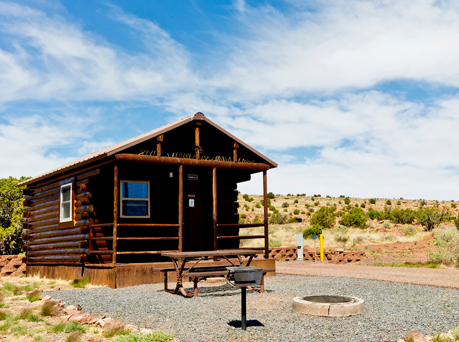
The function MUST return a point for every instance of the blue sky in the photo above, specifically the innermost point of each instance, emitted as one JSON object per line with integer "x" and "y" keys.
{"x": 350, "y": 97}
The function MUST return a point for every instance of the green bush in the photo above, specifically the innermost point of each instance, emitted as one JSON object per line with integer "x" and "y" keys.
{"x": 247, "y": 198}
{"x": 373, "y": 214}
{"x": 303, "y": 212}
{"x": 285, "y": 205}
{"x": 402, "y": 216}
{"x": 311, "y": 210}
{"x": 296, "y": 211}
{"x": 82, "y": 282}
{"x": 48, "y": 308}
{"x": 355, "y": 218}
{"x": 362, "y": 205}
{"x": 324, "y": 217}
{"x": 277, "y": 218}
{"x": 272, "y": 208}
{"x": 408, "y": 230}
{"x": 422, "y": 203}
{"x": 309, "y": 232}
{"x": 257, "y": 220}
{"x": 243, "y": 216}
{"x": 295, "y": 201}
{"x": 292, "y": 220}
{"x": 387, "y": 225}
{"x": 67, "y": 327}
{"x": 271, "y": 195}
{"x": 316, "y": 203}
{"x": 33, "y": 296}
{"x": 429, "y": 218}
{"x": 372, "y": 200}
{"x": 257, "y": 205}
{"x": 347, "y": 201}
{"x": 399, "y": 203}
{"x": 388, "y": 202}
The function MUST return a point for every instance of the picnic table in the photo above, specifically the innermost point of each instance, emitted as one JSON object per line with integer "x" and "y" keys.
{"x": 196, "y": 271}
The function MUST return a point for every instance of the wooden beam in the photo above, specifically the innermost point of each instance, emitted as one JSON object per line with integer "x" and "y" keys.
{"x": 242, "y": 237}
{"x": 58, "y": 239}
{"x": 191, "y": 162}
{"x": 265, "y": 210}
{"x": 88, "y": 174}
{"x": 235, "y": 147}
{"x": 159, "y": 139}
{"x": 214, "y": 206}
{"x": 197, "y": 142}
{"x": 115, "y": 212}
{"x": 241, "y": 225}
{"x": 148, "y": 224}
{"x": 180, "y": 208}
{"x": 145, "y": 252}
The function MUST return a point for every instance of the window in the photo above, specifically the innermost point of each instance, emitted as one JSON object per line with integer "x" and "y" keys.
{"x": 135, "y": 199}
{"x": 66, "y": 203}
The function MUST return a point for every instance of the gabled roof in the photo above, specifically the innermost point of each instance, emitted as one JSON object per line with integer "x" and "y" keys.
{"x": 108, "y": 151}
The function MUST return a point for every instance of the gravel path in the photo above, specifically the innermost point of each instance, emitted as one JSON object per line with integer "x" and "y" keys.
{"x": 391, "y": 310}
{"x": 421, "y": 276}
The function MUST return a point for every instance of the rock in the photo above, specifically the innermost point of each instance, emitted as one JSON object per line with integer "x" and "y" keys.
{"x": 145, "y": 331}
{"x": 82, "y": 318}
{"x": 71, "y": 312}
{"x": 414, "y": 336}
{"x": 105, "y": 323}
{"x": 75, "y": 307}
{"x": 381, "y": 222}
{"x": 44, "y": 298}
{"x": 131, "y": 328}
{"x": 339, "y": 250}
{"x": 93, "y": 318}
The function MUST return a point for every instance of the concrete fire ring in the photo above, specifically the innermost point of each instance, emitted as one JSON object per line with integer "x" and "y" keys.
{"x": 329, "y": 305}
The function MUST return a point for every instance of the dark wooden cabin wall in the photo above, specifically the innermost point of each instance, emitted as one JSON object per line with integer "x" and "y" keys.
{"x": 47, "y": 240}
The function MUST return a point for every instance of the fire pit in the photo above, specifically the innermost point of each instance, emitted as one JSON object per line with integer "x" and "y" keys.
{"x": 328, "y": 305}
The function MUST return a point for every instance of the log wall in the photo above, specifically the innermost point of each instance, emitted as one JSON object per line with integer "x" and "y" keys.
{"x": 47, "y": 240}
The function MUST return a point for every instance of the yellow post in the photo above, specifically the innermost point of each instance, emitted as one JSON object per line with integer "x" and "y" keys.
{"x": 321, "y": 247}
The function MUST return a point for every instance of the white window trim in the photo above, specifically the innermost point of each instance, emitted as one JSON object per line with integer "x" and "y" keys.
{"x": 61, "y": 211}
{"x": 134, "y": 199}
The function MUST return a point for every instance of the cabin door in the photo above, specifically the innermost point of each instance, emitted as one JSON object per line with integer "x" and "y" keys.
{"x": 197, "y": 209}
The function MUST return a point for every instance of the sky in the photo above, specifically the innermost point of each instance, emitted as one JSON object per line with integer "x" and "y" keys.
{"x": 352, "y": 97}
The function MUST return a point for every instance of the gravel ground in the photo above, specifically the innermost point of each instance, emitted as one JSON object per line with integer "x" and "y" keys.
{"x": 391, "y": 310}
{"x": 422, "y": 276}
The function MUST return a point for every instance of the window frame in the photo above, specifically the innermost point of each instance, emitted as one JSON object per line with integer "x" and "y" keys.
{"x": 61, "y": 202}
{"x": 134, "y": 199}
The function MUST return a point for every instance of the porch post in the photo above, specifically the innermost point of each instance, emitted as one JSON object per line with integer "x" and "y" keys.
{"x": 115, "y": 213}
{"x": 214, "y": 205}
{"x": 265, "y": 205}
{"x": 180, "y": 208}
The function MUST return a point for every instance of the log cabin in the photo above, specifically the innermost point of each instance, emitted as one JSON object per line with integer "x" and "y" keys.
{"x": 109, "y": 215}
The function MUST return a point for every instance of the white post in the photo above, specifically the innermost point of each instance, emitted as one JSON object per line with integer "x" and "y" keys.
{"x": 299, "y": 243}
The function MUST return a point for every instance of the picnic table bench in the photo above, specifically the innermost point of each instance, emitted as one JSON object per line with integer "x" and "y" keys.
{"x": 195, "y": 272}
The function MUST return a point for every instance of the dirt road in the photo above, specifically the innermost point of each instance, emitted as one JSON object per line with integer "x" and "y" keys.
{"x": 421, "y": 276}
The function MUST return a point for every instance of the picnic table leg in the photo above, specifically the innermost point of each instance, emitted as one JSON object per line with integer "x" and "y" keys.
{"x": 195, "y": 281}
{"x": 179, "y": 272}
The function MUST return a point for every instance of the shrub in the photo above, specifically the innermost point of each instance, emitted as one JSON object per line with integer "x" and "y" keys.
{"x": 341, "y": 229}
{"x": 116, "y": 330}
{"x": 312, "y": 230}
{"x": 355, "y": 218}
{"x": 277, "y": 218}
{"x": 257, "y": 220}
{"x": 47, "y": 309}
{"x": 156, "y": 336}
{"x": 402, "y": 216}
{"x": 274, "y": 243}
{"x": 263, "y": 202}
{"x": 243, "y": 216}
{"x": 311, "y": 210}
{"x": 292, "y": 220}
{"x": 453, "y": 205}
{"x": 257, "y": 205}
{"x": 295, "y": 201}
{"x": 373, "y": 214}
{"x": 341, "y": 238}
{"x": 285, "y": 205}
{"x": 82, "y": 282}
{"x": 388, "y": 238}
{"x": 399, "y": 203}
{"x": 67, "y": 327}
{"x": 387, "y": 225}
{"x": 324, "y": 217}
{"x": 33, "y": 296}
{"x": 362, "y": 205}
{"x": 408, "y": 230}
{"x": 316, "y": 203}
{"x": 357, "y": 240}
{"x": 429, "y": 218}
{"x": 388, "y": 202}
{"x": 372, "y": 200}
{"x": 73, "y": 337}
{"x": 303, "y": 212}
{"x": 347, "y": 201}
{"x": 271, "y": 195}
{"x": 247, "y": 198}
{"x": 296, "y": 211}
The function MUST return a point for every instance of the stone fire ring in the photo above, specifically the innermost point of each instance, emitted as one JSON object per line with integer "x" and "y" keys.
{"x": 330, "y": 306}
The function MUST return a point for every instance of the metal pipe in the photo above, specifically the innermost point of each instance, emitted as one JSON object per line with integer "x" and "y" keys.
{"x": 244, "y": 307}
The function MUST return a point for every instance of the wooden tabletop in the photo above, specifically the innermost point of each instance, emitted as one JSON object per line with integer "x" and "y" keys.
{"x": 225, "y": 252}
